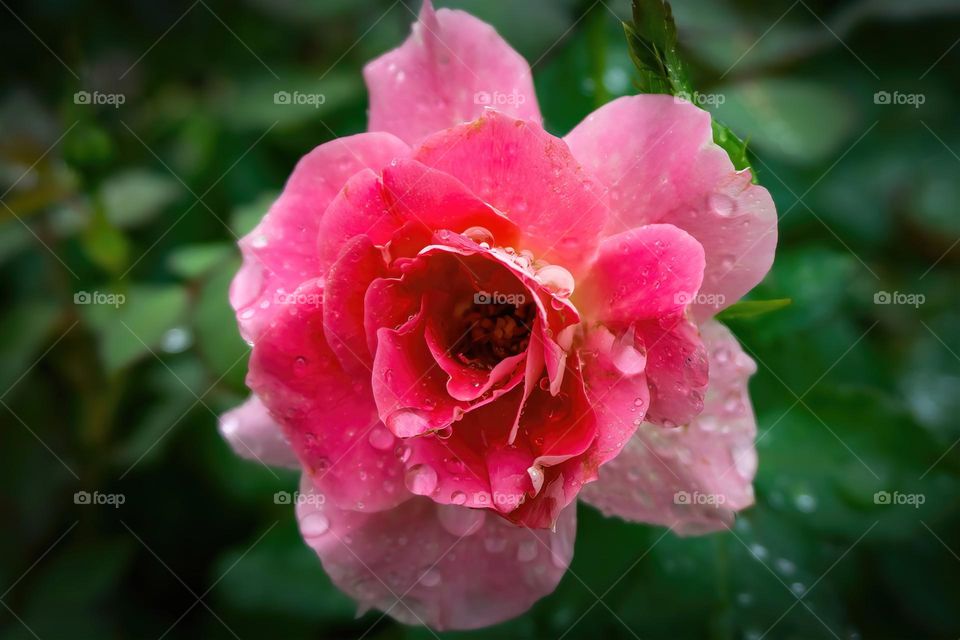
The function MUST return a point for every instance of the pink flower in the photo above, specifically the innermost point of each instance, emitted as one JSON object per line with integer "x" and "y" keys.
{"x": 460, "y": 323}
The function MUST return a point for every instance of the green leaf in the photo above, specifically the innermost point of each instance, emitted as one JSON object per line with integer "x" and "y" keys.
{"x": 653, "y": 48}
{"x": 135, "y": 196}
{"x": 195, "y": 260}
{"x": 130, "y": 325}
{"x": 753, "y": 308}
{"x": 652, "y": 39}
{"x": 23, "y": 332}
{"x": 799, "y": 121}
{"x": 218, "y": 339}
{"x": 734, "y": 146}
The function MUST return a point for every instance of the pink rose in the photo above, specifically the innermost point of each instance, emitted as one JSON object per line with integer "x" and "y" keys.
{"x": 460, "y": 321}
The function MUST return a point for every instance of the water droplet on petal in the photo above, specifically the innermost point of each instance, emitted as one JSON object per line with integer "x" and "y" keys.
{"x": 421, "y": 479}
{"x": 495, "y": 544}
{"x": 479, "y": 235}
{"x": 527, "y": 550}
{"x": 381, "y": 438}
{"x": 430, "y": 578}
{"x": 314, "y": 525}
{"x": 722, "y": 204}
{"x": 557, "y": 280}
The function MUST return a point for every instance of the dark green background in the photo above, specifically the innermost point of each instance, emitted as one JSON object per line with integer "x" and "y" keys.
{"x": 852, "y": 397}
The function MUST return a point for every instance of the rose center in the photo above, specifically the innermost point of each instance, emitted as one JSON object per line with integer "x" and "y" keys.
{"x": 493, "y": 329}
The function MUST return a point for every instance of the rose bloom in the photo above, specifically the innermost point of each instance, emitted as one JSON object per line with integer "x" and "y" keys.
{"x": 461, "y": 323}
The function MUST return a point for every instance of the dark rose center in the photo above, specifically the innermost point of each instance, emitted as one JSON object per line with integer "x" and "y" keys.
{"x": 493, "y": 328}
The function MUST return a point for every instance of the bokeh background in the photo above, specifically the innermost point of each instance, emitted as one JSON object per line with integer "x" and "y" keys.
{"x": 143, "y": 196}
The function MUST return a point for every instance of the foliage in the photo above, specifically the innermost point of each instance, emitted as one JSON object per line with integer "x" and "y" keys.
{"x": 145, "y": 202}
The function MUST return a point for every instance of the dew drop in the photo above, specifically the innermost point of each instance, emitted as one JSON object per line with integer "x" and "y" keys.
{"x": 430, "y": 578}
{"x": 722, "y": 204}
{"x": 381, "y": 438}
{"x": 421, "y": 479}
{"x": 557, "y": 280}
{"x": 314, "y": 525}
{"x": 527, "y": 551}
{"x": 479, "y": 235}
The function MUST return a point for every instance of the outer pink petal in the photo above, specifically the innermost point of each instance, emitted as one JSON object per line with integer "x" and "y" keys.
{"x": 448, "y": 70}
{"x": 676, "y": 369}
{"x": 360, "y": 264}
{"x": 643, "y": 273}
{"x": 254, "y": 435}
{"x": 281, "y": 252}
{"x": 692, "y": 478}
{"x": 657, "y": 157}
{"x": 443, "y": 566}
{"x": 328, "y": 416}
{"x": 532, "y": 178}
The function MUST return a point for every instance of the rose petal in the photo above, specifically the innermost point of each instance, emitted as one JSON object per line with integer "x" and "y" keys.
{"x": 669, "y": 170}
{"x": 281, "y": 252}
{"x": 692, "y": 478}
{"x": 446, "y": 567}
{"x": 531, "y": 177}
{"x": 254, "y": 435}
{"x": 328, "y": 416}
{"x": 437, "y": 200}
{"x": 447, "y": 71}
{"x": 643, "y": 273}
{"x": 347, "y": 281}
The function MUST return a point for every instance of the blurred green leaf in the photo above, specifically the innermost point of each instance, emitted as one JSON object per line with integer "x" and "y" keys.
{"x": 136, "y": 196}
{"x": 280, "y": 575}
{"x": 652, "y": 37}
{"x": 105, "y": 244}
{"x": 130, "y": 325}
{"x": 217, "y": 337}
{"x": 803, "y": 122}
{"x": 753, "y": 308}
{"x": 195, "y": 260}
{"x": 26, "y": 328}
